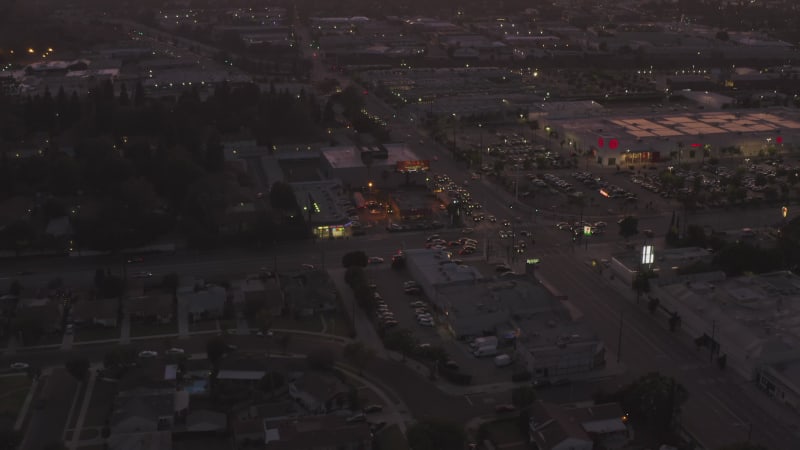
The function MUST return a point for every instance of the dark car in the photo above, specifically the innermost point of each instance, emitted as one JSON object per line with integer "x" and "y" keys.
{"x": 135, "y": 259}
{"x": 450, "y": 364}
{"x": 372, "y": 409}
{"x": 541, "y": 383}
{"x": 501, "y": 409}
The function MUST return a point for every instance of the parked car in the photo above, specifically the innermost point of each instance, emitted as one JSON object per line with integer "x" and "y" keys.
{"x": 148, "y": 354}
{"x": 502, "y": 409}
{"x": 142, "y": 274}
{"x": 356, "y": 418}
{"x": 19, "y": 366}
{"x": 378, "y": 426}
{"x": 372, "y": 409}
{"x": 450, "y": 364}
{"x": 175, "y": 351}
{"x": 375, "y": 260}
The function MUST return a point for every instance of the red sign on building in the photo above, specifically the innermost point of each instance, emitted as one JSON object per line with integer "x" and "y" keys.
{"x": 413, "y": 166}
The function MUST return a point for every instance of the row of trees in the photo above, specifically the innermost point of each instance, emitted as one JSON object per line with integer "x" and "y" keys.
{"x": 158, "y": 162}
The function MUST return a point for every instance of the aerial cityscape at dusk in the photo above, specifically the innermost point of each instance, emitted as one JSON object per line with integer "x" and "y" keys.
{"x": 354, "y": 225}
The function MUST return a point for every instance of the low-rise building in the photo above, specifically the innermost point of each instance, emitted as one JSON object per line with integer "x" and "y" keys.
{"x": 325, "y": 205}
{"x": 383, "y": 165}
{"x": 99, "y": 312}
{"x": 319, "y": 392}
{"x": 45, "y": 311}
{"x": 205, "y": 303}
{"x": 554, "y": 427}
{"x": 153, "y": 308}
{"x": 316, "y": 432}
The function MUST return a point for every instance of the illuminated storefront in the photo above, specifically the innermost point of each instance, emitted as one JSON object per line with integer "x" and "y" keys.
{"x": 332, "y": 231}
{"x": 413, "y": 166}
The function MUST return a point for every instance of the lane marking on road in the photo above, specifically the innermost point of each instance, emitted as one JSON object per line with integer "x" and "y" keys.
{"x": 630, "y": 326}
{"x": 724, "y": 407}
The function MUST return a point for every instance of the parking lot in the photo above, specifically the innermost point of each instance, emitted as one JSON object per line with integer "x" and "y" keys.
{"x": 389, "y": 285}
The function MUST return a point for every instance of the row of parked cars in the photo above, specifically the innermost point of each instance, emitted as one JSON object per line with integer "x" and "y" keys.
{"x": 383, "y": 313}
{"x": 421, "y": 311}
{"x": 467, "y": 245}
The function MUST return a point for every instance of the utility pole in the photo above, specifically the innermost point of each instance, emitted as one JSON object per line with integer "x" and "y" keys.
{"x": 619, "y": 337}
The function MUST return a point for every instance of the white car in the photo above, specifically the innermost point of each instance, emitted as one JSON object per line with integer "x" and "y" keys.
{"x": 19, "y": 366}
{"x": 375, "y": 260}
{"x": 148, "y": 354}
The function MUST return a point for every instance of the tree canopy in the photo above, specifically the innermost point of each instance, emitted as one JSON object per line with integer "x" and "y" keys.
{"x": 628, "y": 226}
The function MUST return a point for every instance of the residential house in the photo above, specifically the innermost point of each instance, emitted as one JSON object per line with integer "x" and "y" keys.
{"x": 100, "y": 312}
{"x": 147, "y": 440}
{"x": 45, "y": 311}
{"x": 316, "y": 432}
{"x": 283, "y": 409}
{"x": 59, "y": 227}
{"x": 204, "y": 303}
{"x": 306, "y": 301}
{"x": 8, "y": 307}
{"x": 260, "y": 294}
{"x": 154, "y": 308}
{"x": 204, "y": 421}
{"x": 248, "y": 433}
{"x": 320, "y": 392}
{"x": 144, "y": 410}
{"x": 553, "y": 427}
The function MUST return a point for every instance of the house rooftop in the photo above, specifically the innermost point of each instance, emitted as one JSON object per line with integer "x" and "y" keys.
{"x": 313, "y": 432}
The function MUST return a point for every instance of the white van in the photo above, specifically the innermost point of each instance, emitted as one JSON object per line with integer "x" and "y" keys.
{"x": 502, "y": 360}
{"x": 484, "y": 341}
{"x": 485, "y": 351}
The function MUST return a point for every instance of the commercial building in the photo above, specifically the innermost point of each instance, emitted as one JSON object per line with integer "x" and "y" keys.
{"x": 324, "y": 204}
{"x": 547, "y": 336}
{"x": 751, "y": 320}
{"x": 379, "y": 165}
{"x": 686, "y": 136}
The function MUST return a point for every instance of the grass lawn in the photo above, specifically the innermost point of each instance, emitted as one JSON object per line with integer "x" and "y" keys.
{"x": 141, "y": 329}
{"x": 13, "y": 391}
{"x": 338, "y": 324}
{"x": 203, "y": 325}
{"x": 226, "y": 324}
{"x": 50, "y": 339}
{"x": 97, "y": 334}
{"x": 391, "y": 439}
{"x": 100, "y": 404}
{"x": 308, "y": 324}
